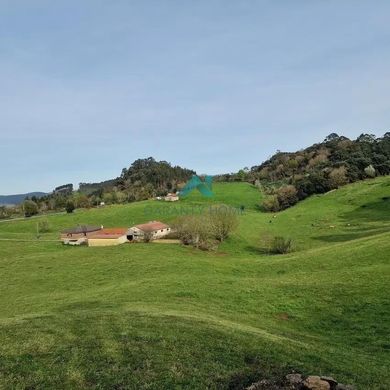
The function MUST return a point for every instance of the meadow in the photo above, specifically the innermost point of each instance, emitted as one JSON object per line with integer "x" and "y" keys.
{"x": 153, "y": 316}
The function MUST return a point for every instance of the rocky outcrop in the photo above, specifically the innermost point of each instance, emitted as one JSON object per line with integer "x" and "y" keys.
{"x": 296, "y": 381}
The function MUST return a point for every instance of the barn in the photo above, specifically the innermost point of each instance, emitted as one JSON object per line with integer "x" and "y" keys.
{"x": 108, "y": 237}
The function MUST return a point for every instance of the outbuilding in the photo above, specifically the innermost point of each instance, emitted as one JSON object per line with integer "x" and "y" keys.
{"x": 78, "y": 235}
{"x": 156, "y": 229}
{"x": 108, "y": 237}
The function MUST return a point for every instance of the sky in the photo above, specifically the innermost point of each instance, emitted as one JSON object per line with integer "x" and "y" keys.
{"x": 87, "y": 87}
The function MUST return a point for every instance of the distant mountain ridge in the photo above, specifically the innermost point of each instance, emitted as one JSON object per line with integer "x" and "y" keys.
{"x": 18, "y": 198}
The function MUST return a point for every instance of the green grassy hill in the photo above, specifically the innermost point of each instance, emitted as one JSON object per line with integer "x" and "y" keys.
{"x": 150, "y": 316}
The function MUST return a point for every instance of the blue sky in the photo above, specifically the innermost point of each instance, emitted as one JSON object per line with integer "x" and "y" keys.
{"x": 86, "y": 87}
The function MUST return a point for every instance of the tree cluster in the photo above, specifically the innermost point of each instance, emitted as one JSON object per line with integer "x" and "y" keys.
{"x": 205, "y": 231}
{"x": 290, "y": 177}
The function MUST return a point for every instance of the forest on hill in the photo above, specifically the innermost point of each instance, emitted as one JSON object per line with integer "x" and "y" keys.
{"x": 288, "y": 177}
{"x": 143, "y": 179}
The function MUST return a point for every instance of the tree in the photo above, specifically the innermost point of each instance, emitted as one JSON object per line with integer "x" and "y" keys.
{"x": 120, "y": 197}
{"x": 331, "y": 137}
{"x": 224, "y": 221}
{"x": 369, "y": 138}
{"x": 4, "y": 212}
{"x": 338, "y": 177}
{"x": 70, "y": 206}
{"x": 370, "y": 171}
{"x": 82, "y": 201}
{"x": 108, "y": 198}
{"x": 30, "y": 208}
{"x": 193, "y": 229}
{"x": 287, "y": 196}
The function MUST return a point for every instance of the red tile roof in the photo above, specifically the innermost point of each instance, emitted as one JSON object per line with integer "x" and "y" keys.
{"x": 109, "y": 233}
{"x": 152, "y": 226}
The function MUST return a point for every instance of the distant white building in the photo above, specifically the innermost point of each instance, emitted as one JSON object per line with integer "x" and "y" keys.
{"x": 172, "y": 197}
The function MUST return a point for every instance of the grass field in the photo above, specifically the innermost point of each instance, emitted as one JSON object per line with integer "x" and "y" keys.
{"x": 150, "y": 316}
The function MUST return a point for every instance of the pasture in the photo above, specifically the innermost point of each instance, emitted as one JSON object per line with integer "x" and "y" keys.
{"x": 152, "y": 316}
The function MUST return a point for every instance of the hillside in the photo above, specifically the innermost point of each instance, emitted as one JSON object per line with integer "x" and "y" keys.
{"x": 288, "y": 177}
{"x": 18, "y": 198}
{"x": 167, "y": 316}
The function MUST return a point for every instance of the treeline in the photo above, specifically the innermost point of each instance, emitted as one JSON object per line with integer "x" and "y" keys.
{"x": 290, "y": 177}
{"x": 144, "y": 179}
{"x": 148, "y": 177}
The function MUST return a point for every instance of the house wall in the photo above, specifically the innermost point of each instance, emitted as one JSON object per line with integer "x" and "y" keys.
{"x": 159, "y": 233}
{"x": 106, "y": 241}
{"x": 138, "y": 235}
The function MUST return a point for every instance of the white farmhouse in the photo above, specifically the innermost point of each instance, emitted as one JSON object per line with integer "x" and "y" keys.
{"x": 156, "y": 229}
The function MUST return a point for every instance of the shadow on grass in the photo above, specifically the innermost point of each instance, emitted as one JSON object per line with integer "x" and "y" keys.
{"x": 366, "y": 220}
{"x": 126, "y": 351}
{"x": 257, "y": 250}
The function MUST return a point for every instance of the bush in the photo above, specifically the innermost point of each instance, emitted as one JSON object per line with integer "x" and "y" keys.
{"x": 193, "y": 229}
{"x": 271, "y": 203}
{"x": 287, "y": 196}
{"x": 43, "y": 226}
{"x": 4, "y": 212}
{"x": 30, "y": 208}
{"x": 281, "y": 245}
{"x": 148, "y": 237}
{"x": 69, "y": 207}
{"x": 208, "y": 245}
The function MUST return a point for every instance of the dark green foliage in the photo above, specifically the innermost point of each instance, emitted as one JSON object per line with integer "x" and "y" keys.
{"x": 147, "y": 177}
{"x": 324, "y": 166}
{"x": 95, "y": 188}
{"x": 144, "y": 179}
{"x": 65, "y": 189}
{"x": 30, "y": 208}
{"x": 70, "y": 206}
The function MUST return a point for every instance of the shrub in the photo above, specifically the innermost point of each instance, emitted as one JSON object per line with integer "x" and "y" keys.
{"x": 30, "y": 208}
{"x": 193, "y": 229}
{"x": 287, "y": 196}
{"x": 281, "y": 245}
{"x": 43, "y": 226}
{"x": 4, "y": 212}
{"x": 271, "y": 203}
{"x": 208, "y": 245}
{"x": 148, "y": 237}
{"x": 69, "y": 207}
